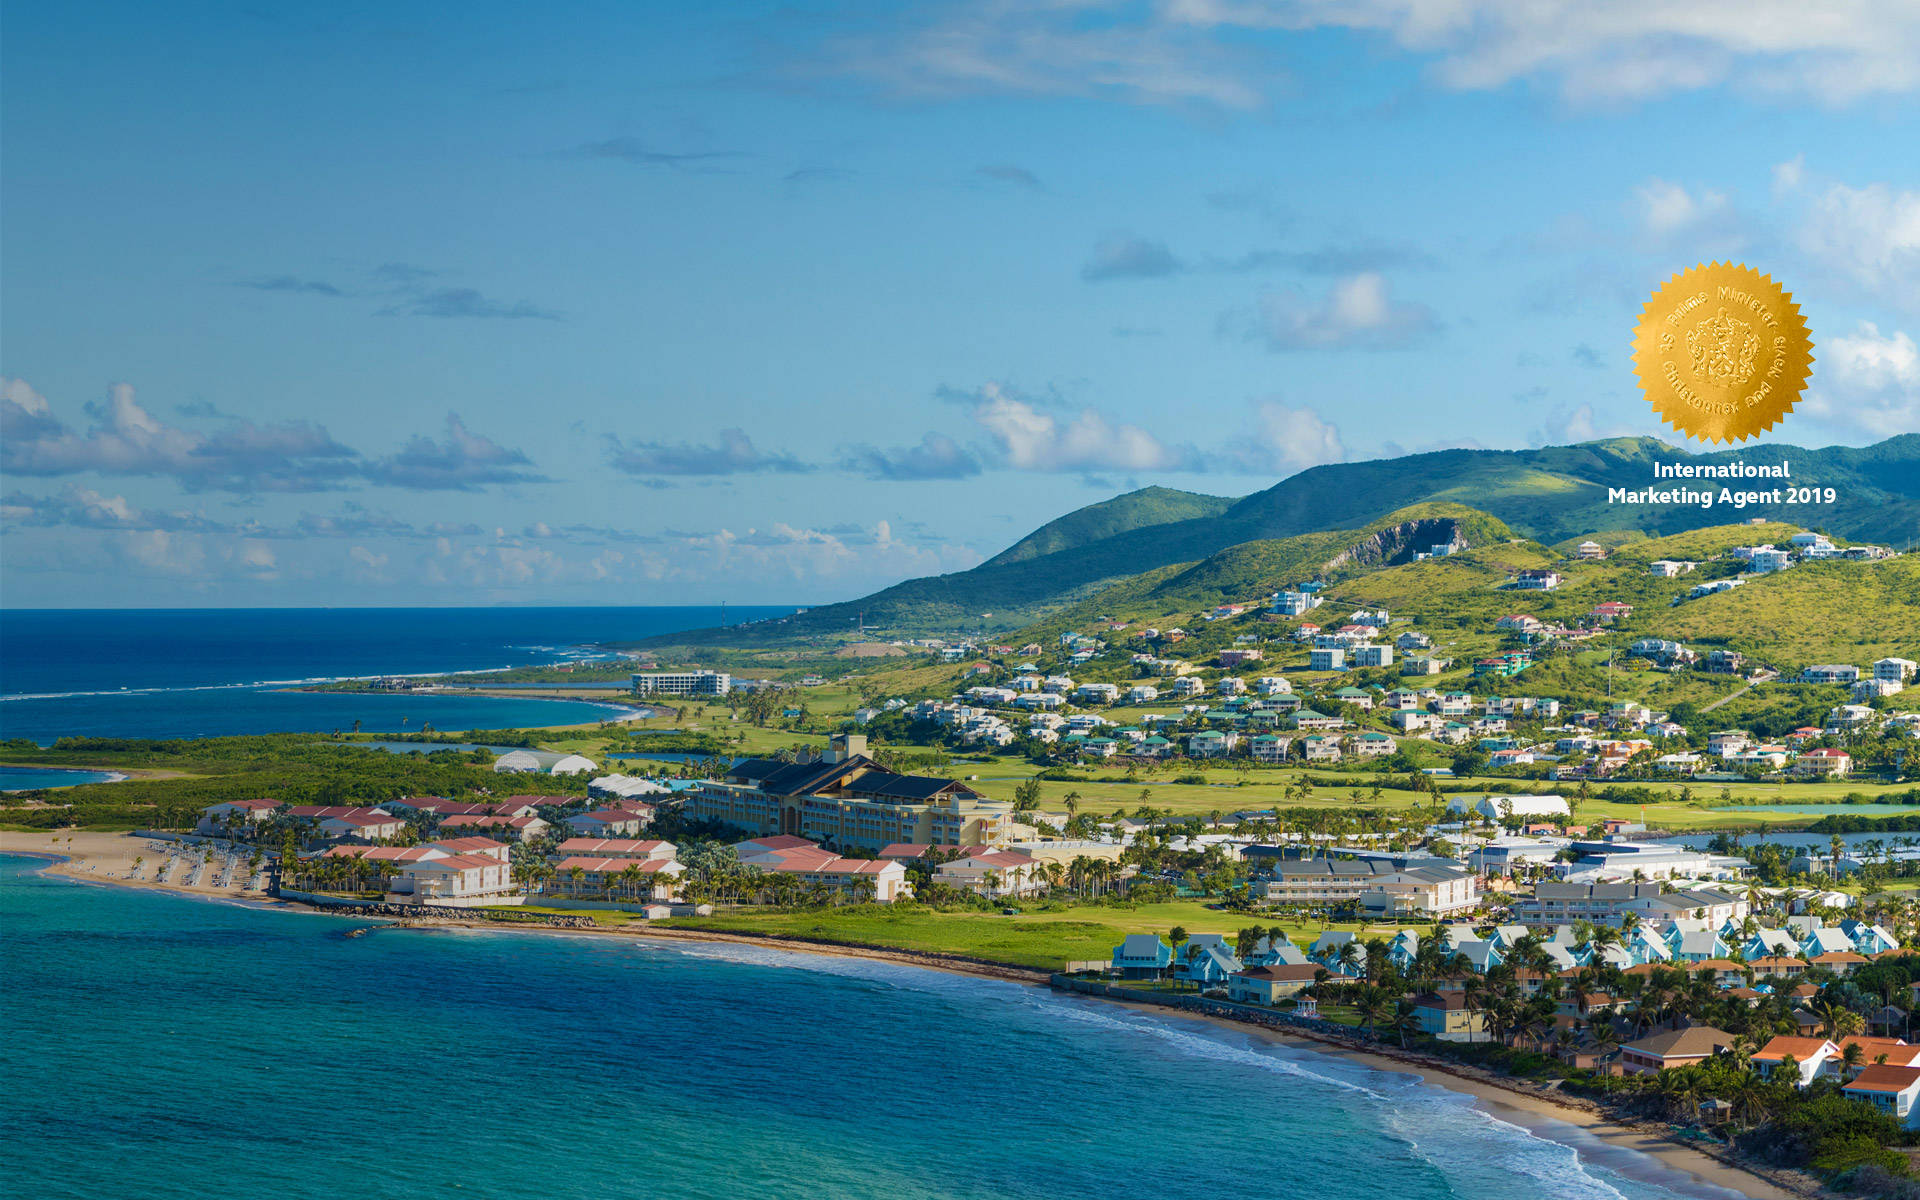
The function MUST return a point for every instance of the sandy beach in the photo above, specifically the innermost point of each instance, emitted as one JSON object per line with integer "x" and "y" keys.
{"x": 129, "y": 861}
{"x": 1644, "y": 1152}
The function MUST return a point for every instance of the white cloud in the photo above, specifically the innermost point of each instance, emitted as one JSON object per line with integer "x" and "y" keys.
{"x": 1282, "y": 441}
{"x": 1028, "y": 439}
{"x": 1668, "y": 208}
{"x": 1869, "y": 383}
{"x": 1053, "y": 49}
{"x": 1870, "y": 235}
{"x": 1358, "y": 312}
{"x": 1201, "y": 51}
{"x": 1872, "y": 361}
{"x": 1789, "y": 175}
{"x": 291, "y": 456}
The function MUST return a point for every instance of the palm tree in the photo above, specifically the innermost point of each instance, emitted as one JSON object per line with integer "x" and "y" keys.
{"x": 1372, "y": 1005}
{"x": 1851, "y": 1057}
{"x": 1406, "y": 1020}
{"x": 1348, "y": 958}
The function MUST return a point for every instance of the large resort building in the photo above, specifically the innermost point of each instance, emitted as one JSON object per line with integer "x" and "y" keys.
{"x": 850, "y": 801}
{"x": 682, "y": 683}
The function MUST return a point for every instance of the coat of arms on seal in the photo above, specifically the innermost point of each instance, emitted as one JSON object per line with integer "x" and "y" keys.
{"x": 1722, "y": 352}
{"x": 1722, "y": 349}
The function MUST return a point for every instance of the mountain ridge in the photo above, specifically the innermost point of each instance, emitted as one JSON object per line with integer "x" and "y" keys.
{"x": 1547, "y": 495}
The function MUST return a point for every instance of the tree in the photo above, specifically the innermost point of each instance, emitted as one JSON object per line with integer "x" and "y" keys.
{"x": 1372, "y": 1005}
{"x": 1026, "y": 797}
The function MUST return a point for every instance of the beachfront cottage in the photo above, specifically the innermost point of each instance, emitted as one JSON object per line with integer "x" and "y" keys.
{"x": 1272, "y": 984}
{"x": 1209, "y": 966}
{"x": 1890, "y": 1089}
{"x": 1446, "y": 1015}
{"x": 1142, "y": 956}
{"x": 1672, "y": 1048}
{"x": 457, "y": 880}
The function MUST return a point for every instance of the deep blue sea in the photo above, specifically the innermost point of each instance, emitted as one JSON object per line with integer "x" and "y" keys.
{"x": 209, "y": 672}
{"x": 167, "y": 1047}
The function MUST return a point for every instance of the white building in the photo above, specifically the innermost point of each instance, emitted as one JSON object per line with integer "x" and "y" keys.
{"x": 1502, "y": 808}
{"x": 1294, "y": 604}
{"x": 682, "y": 683}
{"x": 456, "y": 880}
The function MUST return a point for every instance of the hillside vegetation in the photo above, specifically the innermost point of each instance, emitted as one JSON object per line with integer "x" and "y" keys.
{"x": 1111, "y": 518}
{"x": 1551, "y": 495}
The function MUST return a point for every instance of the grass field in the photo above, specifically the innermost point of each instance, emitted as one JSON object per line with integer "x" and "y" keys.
{"x": 1041, "y": 940}
{"x": 1230, "y": 791}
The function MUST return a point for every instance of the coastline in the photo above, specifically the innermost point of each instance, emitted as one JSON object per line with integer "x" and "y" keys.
{"x": 106, "y": 858}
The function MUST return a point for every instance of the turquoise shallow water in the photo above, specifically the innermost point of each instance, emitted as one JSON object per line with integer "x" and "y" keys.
{"x": 20, "y": 779}
{"x": 169, "y": 1047}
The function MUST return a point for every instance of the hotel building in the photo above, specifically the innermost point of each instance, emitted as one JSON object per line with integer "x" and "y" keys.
{"x": 848, "y": 800}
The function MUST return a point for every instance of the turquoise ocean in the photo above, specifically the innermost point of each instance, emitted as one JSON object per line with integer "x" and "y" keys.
{"x": 169, "y": 1047}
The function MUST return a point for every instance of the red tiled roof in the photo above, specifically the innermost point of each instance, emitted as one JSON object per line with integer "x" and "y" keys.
{"x": 468, "y": 845}
{"x": 785, "y": 841}
{"x": 601, "y": 866}
{"x": 454, "y": 862}
{"x": 614, "y": 847}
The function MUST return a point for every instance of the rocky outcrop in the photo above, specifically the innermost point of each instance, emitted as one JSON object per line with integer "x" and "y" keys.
{"x": 427, "y": 914}
{"x": 1399, "y": 544}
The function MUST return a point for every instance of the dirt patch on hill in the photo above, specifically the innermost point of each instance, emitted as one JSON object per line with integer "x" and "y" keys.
{"x": 869, "y": 650}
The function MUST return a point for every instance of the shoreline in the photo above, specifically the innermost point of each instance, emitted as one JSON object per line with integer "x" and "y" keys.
{"x": 1539, "y": 1111}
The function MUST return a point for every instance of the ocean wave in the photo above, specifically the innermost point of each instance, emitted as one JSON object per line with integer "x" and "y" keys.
{"x": 1471, "y": 1147}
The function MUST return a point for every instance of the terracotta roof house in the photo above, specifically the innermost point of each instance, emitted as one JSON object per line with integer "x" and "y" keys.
{"x": 1809, "y": 1054}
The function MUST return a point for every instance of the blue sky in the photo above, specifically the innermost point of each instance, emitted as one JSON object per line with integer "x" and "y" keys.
{"x": 411, "y": 304}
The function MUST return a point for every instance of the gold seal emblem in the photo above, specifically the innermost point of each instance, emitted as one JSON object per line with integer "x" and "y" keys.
{"x": 1722, "y": 352}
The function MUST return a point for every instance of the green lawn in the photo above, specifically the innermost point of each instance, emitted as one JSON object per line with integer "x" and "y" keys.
{"x": 1039, "y": 940}
{"x": 1229, "y": 791}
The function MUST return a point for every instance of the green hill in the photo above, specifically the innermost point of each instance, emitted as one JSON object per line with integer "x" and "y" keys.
{"x": 1551, "y": 495}
{"x": 1111, "y": 518}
